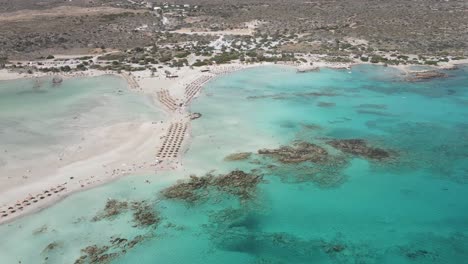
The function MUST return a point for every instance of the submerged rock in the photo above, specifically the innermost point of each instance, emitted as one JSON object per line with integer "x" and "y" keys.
{"x": 95, "y": 254}
{"x": 325, "y": 104}
{"x": 420, "y": 253}
{"x": 236, "y": 231}
{"x": 134, "y": 242}
{"x": 106, "y": 254}
{"x": 194, "y": 116}
{"x": 328, "y": 174}
{"x": 333, "y": 248}
{"x": 246, "y": 218}
{"x": 144, "y": 216}
{"x": 359, "y": 147}
{"x": 373, "y": 106}
{"x": 57, "y": 80}
{"x": 311, "y": 127}
{"x": 237, "y": 183}
{"x": 280, "y": 96}
{"x": 318, "y": 94}
{"x": 187, "y": 190}
{"x": 299, "y": 152}
{"x": 111, "y": 209}
{"x": 377, "y": 113}
{"x": 118, "y": 241}
{"x": 40, "y": 230}
{"x": 426, "y": 75}
{"x": 50, "y": 247}
{"x": 305, "y": 162}
{"x": 238, "y": 156}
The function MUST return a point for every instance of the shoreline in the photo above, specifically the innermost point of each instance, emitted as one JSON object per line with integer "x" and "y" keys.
{"x": 111, "y": 163}
{"x": 317, "y": 63}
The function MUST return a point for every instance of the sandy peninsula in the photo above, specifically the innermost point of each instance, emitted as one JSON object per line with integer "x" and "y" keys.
{"x": 111, "y": 152}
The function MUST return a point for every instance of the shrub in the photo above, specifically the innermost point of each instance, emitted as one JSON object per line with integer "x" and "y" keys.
{"x": 431, "y": 63}
{"x": 226, "y": 57}
{"x": 377, "y": 59}
{"x": 182, "y": 54}
{"x": 65, "y": 68}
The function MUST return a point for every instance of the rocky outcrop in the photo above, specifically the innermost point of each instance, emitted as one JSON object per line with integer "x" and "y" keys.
{"x": 298, "y": 152}
{"x": 143, "y": 214}
{"x": 359, "y": 147}
{"x": 194, "y": 116}
{"x": 237, "y": 183}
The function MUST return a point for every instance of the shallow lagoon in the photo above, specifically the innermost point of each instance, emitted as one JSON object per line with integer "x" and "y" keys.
{"x": 38, "y": 117}
{"x": 409, "y": 209}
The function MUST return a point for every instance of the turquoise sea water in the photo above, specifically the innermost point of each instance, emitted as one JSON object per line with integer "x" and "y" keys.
{"x": 409, "y": 209}
{"x": 37, "y": 117}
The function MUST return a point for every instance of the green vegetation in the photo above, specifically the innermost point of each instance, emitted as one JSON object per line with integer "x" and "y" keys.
{"x": 430, "y": 62}
{"x": 85, "y": 58}
{"x": 81, "y": 67}
{"x": 179, "y": 63}
{"x": 165, "y": 58}
{"x": 113, "y": 56}
{"x": 200, "y": 63}
{"x": 378, "y": 58}
{"x": 3, "y": 61}
{"x": 226, "y": 57}
{"x": 338, "y": 59}
{"x": 112, "y": 17}
{"x": 182, "y": 54}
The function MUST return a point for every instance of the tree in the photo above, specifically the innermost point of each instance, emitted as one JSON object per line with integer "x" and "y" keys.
{"x": 81, "y": 67}
{"x": 65, "y": 68}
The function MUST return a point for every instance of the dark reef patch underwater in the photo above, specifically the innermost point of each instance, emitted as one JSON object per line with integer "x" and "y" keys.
{"x": 376, "y": 174}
